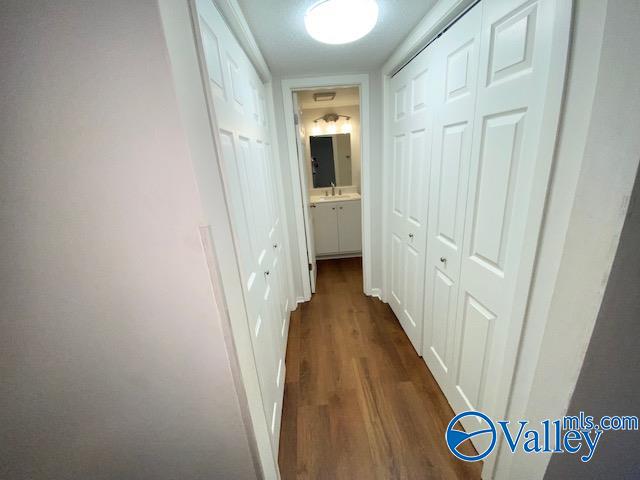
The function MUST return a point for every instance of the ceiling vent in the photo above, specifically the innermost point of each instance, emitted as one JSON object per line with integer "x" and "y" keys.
{"x": 324, "y": 96}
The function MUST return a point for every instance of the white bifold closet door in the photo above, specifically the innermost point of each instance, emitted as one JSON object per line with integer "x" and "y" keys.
{"x": 410, "y": 127}
{"x": 487, "y": 173}
{"x": 238, "y": 98}
{"x": 456, "y": 65}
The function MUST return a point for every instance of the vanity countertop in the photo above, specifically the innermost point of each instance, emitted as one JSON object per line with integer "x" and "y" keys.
{"x": 334, "y": 198}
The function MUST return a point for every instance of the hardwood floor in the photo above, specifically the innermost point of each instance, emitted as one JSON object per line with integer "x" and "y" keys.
{"x": 359, "y": 403}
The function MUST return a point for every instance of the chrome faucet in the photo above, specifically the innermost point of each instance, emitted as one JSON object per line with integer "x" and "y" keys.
{"x": 333, "y": 189}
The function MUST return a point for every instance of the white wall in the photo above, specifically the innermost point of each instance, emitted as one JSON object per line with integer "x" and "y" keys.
{"x": 353, "y": 111}
{"x": 112, "y": 350}
{"x": 596, "y": 162}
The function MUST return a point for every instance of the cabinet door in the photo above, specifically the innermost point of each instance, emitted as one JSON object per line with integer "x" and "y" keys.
{"x": 325, "y": 228}
{"x": 349, "y": 227}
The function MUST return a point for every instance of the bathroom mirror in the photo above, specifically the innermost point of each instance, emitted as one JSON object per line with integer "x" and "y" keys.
{"x": 331, "y": 160}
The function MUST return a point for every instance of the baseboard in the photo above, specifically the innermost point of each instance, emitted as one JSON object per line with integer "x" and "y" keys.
{"x": 376, "y": 292}
{"x": 301, "y": 300}
{"x": 339, "y": 255}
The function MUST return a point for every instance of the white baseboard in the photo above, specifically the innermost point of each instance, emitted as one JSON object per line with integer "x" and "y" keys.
{"x": 376, "y": 292}
{"x": 301, "y": 300}
{"x": 339, "y": 255}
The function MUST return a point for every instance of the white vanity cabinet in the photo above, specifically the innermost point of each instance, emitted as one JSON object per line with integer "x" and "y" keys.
{"x": 325, "y": 228}
{"x": 337, "y": 227}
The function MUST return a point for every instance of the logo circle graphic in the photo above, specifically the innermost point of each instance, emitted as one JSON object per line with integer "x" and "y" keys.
{"x": 455, "y": 438}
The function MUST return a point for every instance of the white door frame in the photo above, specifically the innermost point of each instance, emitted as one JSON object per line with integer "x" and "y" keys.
{"x": 298, "y": 180}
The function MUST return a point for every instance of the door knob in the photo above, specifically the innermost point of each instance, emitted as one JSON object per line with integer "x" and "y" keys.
{"x": 275, "y": 245}
{"x": 443, "y": 259}
{"x": 266, "y": 273}
{"x": 411, "y": 235}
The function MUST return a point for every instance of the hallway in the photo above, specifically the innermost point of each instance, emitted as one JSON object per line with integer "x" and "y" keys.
{"x": 356, "y": 393}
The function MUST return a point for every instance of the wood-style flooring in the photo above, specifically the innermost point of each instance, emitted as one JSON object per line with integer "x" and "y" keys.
{"x": 359, "y": 403}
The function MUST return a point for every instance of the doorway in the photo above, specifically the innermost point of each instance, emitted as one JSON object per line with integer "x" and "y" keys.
{"x": 329, "y": 195}
{"x": 329, "y": 156}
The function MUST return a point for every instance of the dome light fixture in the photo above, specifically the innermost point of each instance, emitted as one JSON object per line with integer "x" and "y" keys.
{"x": 341, "y": 21}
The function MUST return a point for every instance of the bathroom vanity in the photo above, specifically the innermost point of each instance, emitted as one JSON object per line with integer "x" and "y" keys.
{"x": 337, "y": 224}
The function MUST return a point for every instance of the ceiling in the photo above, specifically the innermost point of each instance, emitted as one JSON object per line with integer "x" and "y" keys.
{"x": 344, "y": 97}
{"x": 278, "y": 27}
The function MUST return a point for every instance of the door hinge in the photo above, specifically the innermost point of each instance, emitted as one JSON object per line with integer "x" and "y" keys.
{"x": 295, "y": 119}
{"x": 310, "y": 267}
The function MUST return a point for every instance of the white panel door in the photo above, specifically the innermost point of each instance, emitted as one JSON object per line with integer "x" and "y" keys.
{"x": 239, "y": 104}
{"x": 325, "y": 228}
{"x": 455, "y": 59}
{"x": 410, "y": 127}
{"x": 506, "y": 194}
{"x": 349, "y": 226}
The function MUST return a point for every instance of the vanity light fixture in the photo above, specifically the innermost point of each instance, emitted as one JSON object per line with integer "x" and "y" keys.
{"x": 332, "y": 117}
{"x": 330, "y": 120}
{"x": 341, "y": 21}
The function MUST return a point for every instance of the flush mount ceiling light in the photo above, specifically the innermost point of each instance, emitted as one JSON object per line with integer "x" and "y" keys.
{"x": 341, "y": 21}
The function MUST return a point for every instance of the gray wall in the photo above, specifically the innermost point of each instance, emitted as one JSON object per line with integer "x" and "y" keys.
{"x": 112, "y": 352}
{"x": 608, "y": 382}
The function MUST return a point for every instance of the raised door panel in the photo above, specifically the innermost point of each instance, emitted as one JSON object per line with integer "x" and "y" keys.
{"x": 213, "y": 61}
{"x": 411, "y": 318}
{"x": 278, "y": 271}
{"x": 399, "y": 192}
{"x": 397, "y": 223}
{"x": 349, "y": 227}
{"x": 397, "y": 271}
{"x": 418, "y": 166}
{"x": 325, "y": 228}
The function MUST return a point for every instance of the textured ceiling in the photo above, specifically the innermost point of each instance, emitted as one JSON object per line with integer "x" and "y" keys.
{"x": 278, "y": 26}
{"x": 344, "y": 97}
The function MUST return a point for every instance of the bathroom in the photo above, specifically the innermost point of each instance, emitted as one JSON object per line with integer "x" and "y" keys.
{"x": 330, "y": 120}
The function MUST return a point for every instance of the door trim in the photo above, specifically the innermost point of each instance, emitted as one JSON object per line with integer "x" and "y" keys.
{"x": 299, "y": 185}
